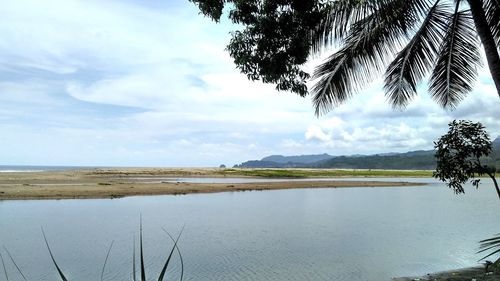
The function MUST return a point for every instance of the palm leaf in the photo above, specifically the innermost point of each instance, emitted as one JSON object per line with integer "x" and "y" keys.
{"x": 339, "y": 16}
{"x": 333, "y": 86}
{"x": 15, "y": 264}
{"x": 369, "y": 44}
{"x": 53, "y": 259}
{"x": 492, "y": 9}
{"x": 414, "y": 62}
{"x": 458, "y": 59}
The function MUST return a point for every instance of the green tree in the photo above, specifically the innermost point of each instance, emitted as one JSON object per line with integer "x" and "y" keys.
{"x": 459, "y": 155}
{"x": 408, "y": 39}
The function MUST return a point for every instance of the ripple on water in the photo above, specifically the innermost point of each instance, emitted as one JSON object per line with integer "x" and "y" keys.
{"x": 353, "y": 234}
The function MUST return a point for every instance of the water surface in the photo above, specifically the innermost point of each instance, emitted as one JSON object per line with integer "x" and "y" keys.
{"x": 300, "y": 234}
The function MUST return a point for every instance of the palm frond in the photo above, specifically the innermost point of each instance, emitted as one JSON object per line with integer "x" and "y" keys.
{"x": 342, "y": 14}
{"x": 492, "y": 9}
{"x": 458, "y": 59}
{"x": 413, "y": 63}
{"x": 333, "y": 86}
{"x": 368, "y": 46}
{"x": 339, "y": 16}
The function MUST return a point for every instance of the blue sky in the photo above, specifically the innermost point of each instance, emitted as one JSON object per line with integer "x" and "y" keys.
{"x": 148, "y": 83}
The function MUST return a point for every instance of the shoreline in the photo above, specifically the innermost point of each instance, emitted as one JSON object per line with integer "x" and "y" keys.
{"x": 477, "y": 273}
{"x": 117, "y": 183}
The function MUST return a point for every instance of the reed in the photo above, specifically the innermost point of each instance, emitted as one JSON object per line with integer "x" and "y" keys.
{"x": 63, "y": 277}
{"x": 490, "y": 246}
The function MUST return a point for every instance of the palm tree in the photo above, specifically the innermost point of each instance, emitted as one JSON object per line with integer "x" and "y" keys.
{"x": 409, "y": 39}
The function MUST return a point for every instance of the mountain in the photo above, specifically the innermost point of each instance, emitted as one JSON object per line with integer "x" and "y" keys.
{"x": 416, "y": 160}
{"x": 494, "y": 158}
{"x": 297, "y": 159}
{"x": 412, "y": 160}
{"x": 496, "y": 144}
{"x": 269, "y": 164}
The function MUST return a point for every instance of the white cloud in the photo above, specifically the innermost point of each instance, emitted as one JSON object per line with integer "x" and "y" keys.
{"x": 316, "y": 133}
{"x": 107, "y": 82}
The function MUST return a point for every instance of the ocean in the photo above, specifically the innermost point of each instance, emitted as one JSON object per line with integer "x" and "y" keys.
{"x": 26, "y": 168}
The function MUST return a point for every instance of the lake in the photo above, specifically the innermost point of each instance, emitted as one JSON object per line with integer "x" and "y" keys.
{"x": 299, "y": 234}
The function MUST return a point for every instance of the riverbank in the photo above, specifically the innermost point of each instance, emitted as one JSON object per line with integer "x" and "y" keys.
{"x": 465, "y": 274}
{"x": 114, "y": 183}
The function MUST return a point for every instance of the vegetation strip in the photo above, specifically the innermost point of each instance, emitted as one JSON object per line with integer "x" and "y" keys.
{"x": 302, "y": 173}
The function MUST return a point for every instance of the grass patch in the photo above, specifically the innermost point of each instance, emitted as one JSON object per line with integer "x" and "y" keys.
{"x": 304, "y": 173}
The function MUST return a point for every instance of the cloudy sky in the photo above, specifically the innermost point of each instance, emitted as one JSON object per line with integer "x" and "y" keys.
{"x": 148, "y": 83}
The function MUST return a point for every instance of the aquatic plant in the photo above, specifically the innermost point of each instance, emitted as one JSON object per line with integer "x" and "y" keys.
{"x": 142, "y": 272}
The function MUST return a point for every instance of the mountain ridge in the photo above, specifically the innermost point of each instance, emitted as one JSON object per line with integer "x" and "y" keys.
{"x": 411, "y": 160}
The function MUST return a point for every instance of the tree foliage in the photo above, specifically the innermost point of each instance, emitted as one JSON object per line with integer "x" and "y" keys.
{"x": 275, "y": 40}
{"x": 459, "y": 155}
{"x": 408, "y": 40}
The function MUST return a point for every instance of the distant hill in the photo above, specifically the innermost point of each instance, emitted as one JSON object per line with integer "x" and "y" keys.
{"x": 496, "y": 143}
{"x": 412, "y": 160}
{"x": 495, "y": 155}
{"x": 297, "y": 159}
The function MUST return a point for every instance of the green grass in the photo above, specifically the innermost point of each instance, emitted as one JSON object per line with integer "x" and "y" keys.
{"x": 303, "y": 173}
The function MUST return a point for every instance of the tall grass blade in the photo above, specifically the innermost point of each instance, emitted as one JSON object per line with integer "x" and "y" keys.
{"x": 4, "y": 269}
{"x": 491, "y": 254}
{"x": 53, "y": 259}
{"x": 143, "y": 272}
{"x": 178, "y": 251}
{"x": 165, "y": 266}
{"x": 15, "y": 264}
{"x": 133, "y": 262}
{"x": 489, "y": 244}
{"x": 106, "y": 259}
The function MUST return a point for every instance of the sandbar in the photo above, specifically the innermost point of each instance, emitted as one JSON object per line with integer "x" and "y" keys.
{"x": 116, "y": 183}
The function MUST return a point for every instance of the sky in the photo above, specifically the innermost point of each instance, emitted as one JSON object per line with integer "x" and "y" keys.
{"x": 148, "y": 83}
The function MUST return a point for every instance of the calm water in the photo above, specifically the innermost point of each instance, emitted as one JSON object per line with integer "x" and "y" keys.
{"x": 302, "y": 234}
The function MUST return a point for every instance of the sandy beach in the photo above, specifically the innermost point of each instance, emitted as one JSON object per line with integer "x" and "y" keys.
{"x": 115, "y": 183}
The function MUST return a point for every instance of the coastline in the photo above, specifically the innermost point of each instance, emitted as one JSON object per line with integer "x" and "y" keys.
{"x": 116, "y": 183}
{"x": 477, "y": 273}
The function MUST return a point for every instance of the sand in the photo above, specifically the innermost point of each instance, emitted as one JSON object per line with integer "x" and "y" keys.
{"x": 115, "y": 183}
